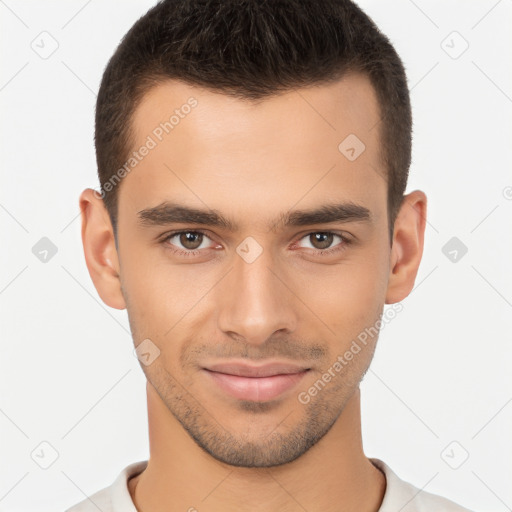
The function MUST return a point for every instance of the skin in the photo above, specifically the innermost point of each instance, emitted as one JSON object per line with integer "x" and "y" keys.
{"x": 252, "y": 162}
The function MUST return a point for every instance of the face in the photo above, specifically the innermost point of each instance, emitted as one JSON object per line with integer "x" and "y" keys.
{"x": 252, "y": 252}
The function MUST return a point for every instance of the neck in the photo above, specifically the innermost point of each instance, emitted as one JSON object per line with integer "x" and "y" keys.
{"x": 333, "y": 475}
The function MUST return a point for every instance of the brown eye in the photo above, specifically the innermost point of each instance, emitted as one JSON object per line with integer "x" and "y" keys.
{"x": 324, "y": 243}
{"x": 190, "y": 239}
{"x": 321, "y": 240}
{"x": 189, "y": 243}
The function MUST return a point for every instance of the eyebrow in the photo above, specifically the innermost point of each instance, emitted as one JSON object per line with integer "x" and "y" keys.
{"x": 169, "y": 213}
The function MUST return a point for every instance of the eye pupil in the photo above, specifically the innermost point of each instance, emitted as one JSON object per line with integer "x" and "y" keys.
{"x": 325, "y": 240}
{"x": 189, "y": 239}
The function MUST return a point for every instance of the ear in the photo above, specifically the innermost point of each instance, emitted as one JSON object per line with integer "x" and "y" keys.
{"x": 407, "y": 248}
{"x": 100, "y": 250}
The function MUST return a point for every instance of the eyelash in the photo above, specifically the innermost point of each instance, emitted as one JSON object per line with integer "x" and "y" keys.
{"x": 320, "y": 252}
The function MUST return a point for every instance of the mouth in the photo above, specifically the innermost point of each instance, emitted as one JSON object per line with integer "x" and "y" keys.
{"x": 255, "y": 383}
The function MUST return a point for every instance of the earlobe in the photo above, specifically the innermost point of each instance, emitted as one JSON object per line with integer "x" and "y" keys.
{"x": 407, "y": 248}
{"x": 100, "y": 250}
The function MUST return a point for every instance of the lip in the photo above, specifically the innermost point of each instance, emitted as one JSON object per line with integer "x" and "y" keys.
{"x": 263, "y": 370}
{"x": 256, "y": 383}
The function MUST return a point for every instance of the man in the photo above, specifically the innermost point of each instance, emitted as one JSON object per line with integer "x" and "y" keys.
{"x": 253, "y": 158}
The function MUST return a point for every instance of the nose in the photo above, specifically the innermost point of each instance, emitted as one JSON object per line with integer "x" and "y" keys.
{"x": 256, "y": 301}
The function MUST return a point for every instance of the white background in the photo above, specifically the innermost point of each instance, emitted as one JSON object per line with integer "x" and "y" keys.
{"x": 441, "y": 371}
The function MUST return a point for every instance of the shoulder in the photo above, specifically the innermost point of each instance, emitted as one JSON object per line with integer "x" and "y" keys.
{"x": 100, "y": 500}
{"x": 115, "y": 497}
{"x": 403, "y": 496}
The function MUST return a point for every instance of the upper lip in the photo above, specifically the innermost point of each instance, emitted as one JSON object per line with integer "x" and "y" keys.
{"x": 264, "y": 370}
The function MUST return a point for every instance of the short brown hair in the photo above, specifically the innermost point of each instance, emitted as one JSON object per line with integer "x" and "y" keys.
{"x": 252, "y": 49}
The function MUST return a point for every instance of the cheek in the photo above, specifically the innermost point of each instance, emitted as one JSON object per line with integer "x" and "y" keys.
{"x": 348, "y": 297}
{"x": 151, "y": 300}
{"x": 157, "y": 287}
{"x": 165, "y": 302}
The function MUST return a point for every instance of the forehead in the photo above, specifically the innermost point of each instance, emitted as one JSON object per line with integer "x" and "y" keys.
{"x": 313, "y": 145}
{"x": 310, "y": 112}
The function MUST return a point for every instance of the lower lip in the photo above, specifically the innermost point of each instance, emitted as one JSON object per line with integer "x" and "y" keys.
{"x": 257, "y": 389}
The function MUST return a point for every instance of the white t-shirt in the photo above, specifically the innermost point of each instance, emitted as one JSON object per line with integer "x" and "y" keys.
{"x": 399, "y": 496}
